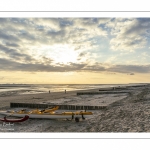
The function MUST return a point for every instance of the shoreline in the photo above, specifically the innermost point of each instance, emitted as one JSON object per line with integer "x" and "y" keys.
{"x": 35, "y": 98}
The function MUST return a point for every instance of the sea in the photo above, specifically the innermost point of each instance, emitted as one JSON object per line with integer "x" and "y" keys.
{"x": 45, "y": 88}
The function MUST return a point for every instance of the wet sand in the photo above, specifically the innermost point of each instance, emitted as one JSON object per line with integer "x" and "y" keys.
{"x": 128, "y": 112}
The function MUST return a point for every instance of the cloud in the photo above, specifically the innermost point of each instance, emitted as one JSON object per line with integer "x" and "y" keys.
{"x": 34, "y": 44}
{"x": 11, "y": 44}
{"x": 3, "y": 20}
{"x": 27, "y": 36}
{"x": 81, "y": 55}
{"x": 130, "y": 68}
{"x": 46, "y": 60}
{"x": 11, "y": 65}
{"x": 14, "y": 54}
{"x": 56, "y": 36}
{"x": 26, "y": 32}
{"x": 130, "y": 34}
{"x": 8, "y": 37}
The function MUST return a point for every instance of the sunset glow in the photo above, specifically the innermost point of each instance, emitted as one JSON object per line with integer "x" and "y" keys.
{"x": 74, "y": 50}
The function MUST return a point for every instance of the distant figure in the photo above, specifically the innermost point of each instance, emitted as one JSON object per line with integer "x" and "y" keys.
{"x": 65, "y": 91}
{"x": 49, "y": 91}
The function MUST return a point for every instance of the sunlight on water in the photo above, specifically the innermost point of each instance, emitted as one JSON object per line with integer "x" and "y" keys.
{"x": 45, "y": 88}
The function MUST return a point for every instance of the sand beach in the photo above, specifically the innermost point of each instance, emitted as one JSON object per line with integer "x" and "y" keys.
{"x": 127, "y": 110}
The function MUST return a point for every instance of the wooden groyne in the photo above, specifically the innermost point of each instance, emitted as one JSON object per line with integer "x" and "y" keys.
{"x": 103, "y": 92}
{"x": 138, "y": 85}
{"x": 65, "y": 107}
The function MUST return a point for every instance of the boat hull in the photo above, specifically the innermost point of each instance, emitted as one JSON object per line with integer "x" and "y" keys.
{"x": 47, "y": 116}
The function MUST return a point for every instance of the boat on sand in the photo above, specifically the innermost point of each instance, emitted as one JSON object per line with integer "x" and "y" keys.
{"x": 49, "y": 114}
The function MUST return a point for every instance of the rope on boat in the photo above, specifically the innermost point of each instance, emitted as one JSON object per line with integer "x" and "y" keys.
{"x": 72, "y": 115}
{"x": 83, "y": 117}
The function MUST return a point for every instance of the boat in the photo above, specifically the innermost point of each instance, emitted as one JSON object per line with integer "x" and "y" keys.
{"x": 26, "y": 117}
{"x": 49, "y": 114}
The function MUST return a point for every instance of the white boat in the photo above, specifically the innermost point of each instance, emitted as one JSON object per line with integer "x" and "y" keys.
{"x": 48, "y": 114}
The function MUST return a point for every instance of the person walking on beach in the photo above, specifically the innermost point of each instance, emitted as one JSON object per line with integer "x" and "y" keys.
{"x": 49, "y": 91}
{"x": 65, "y": 91}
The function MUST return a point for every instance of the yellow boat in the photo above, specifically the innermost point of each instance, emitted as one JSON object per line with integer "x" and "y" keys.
{"x": 49, "y": 113}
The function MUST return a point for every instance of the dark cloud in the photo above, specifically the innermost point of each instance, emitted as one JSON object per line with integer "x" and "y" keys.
{"x": 3, "y": 48}
{"x": 11, "y": 44}
{"x": 141, "y": 25}
{"x": 76, "y": 66}
{"x": 130, "y": 68}
{"x": 130, "y": 34}
{"x": 47, "y": 60}
{"x": 55, "y": 34}
{"x": 89, "y": 21}
{"x": 92, "y": 21}
{"x": 8, "y": 37}
{"x": 11, "y": 65}
{"x": 27, "y": 36}
{"x": 21, "y": 23}
{"x": 4, "y": 21}
{"x": 65, "y": 23}
{"x": 119, "y": 68}
{"x": 82, "y": 54}
{"x": 97, "y": 68}
{"x": 14, "y": 54}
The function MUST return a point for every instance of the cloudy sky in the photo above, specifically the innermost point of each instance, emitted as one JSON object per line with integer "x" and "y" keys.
{"x": 74, "y": 50}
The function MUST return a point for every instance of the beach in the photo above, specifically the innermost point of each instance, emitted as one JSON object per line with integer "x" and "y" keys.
{"x": 127, "y": 110}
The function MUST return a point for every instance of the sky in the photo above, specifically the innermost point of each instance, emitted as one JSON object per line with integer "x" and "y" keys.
{"x": 74, "y": 50}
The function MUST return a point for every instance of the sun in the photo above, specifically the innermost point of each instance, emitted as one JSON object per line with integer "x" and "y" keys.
{"x": 66, "y": 54}
{"x": 59, "y": 54}
{"x": 66, "y": 57}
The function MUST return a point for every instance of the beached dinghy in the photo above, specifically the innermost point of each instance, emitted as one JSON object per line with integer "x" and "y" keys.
{"x": 49, "y": 114}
